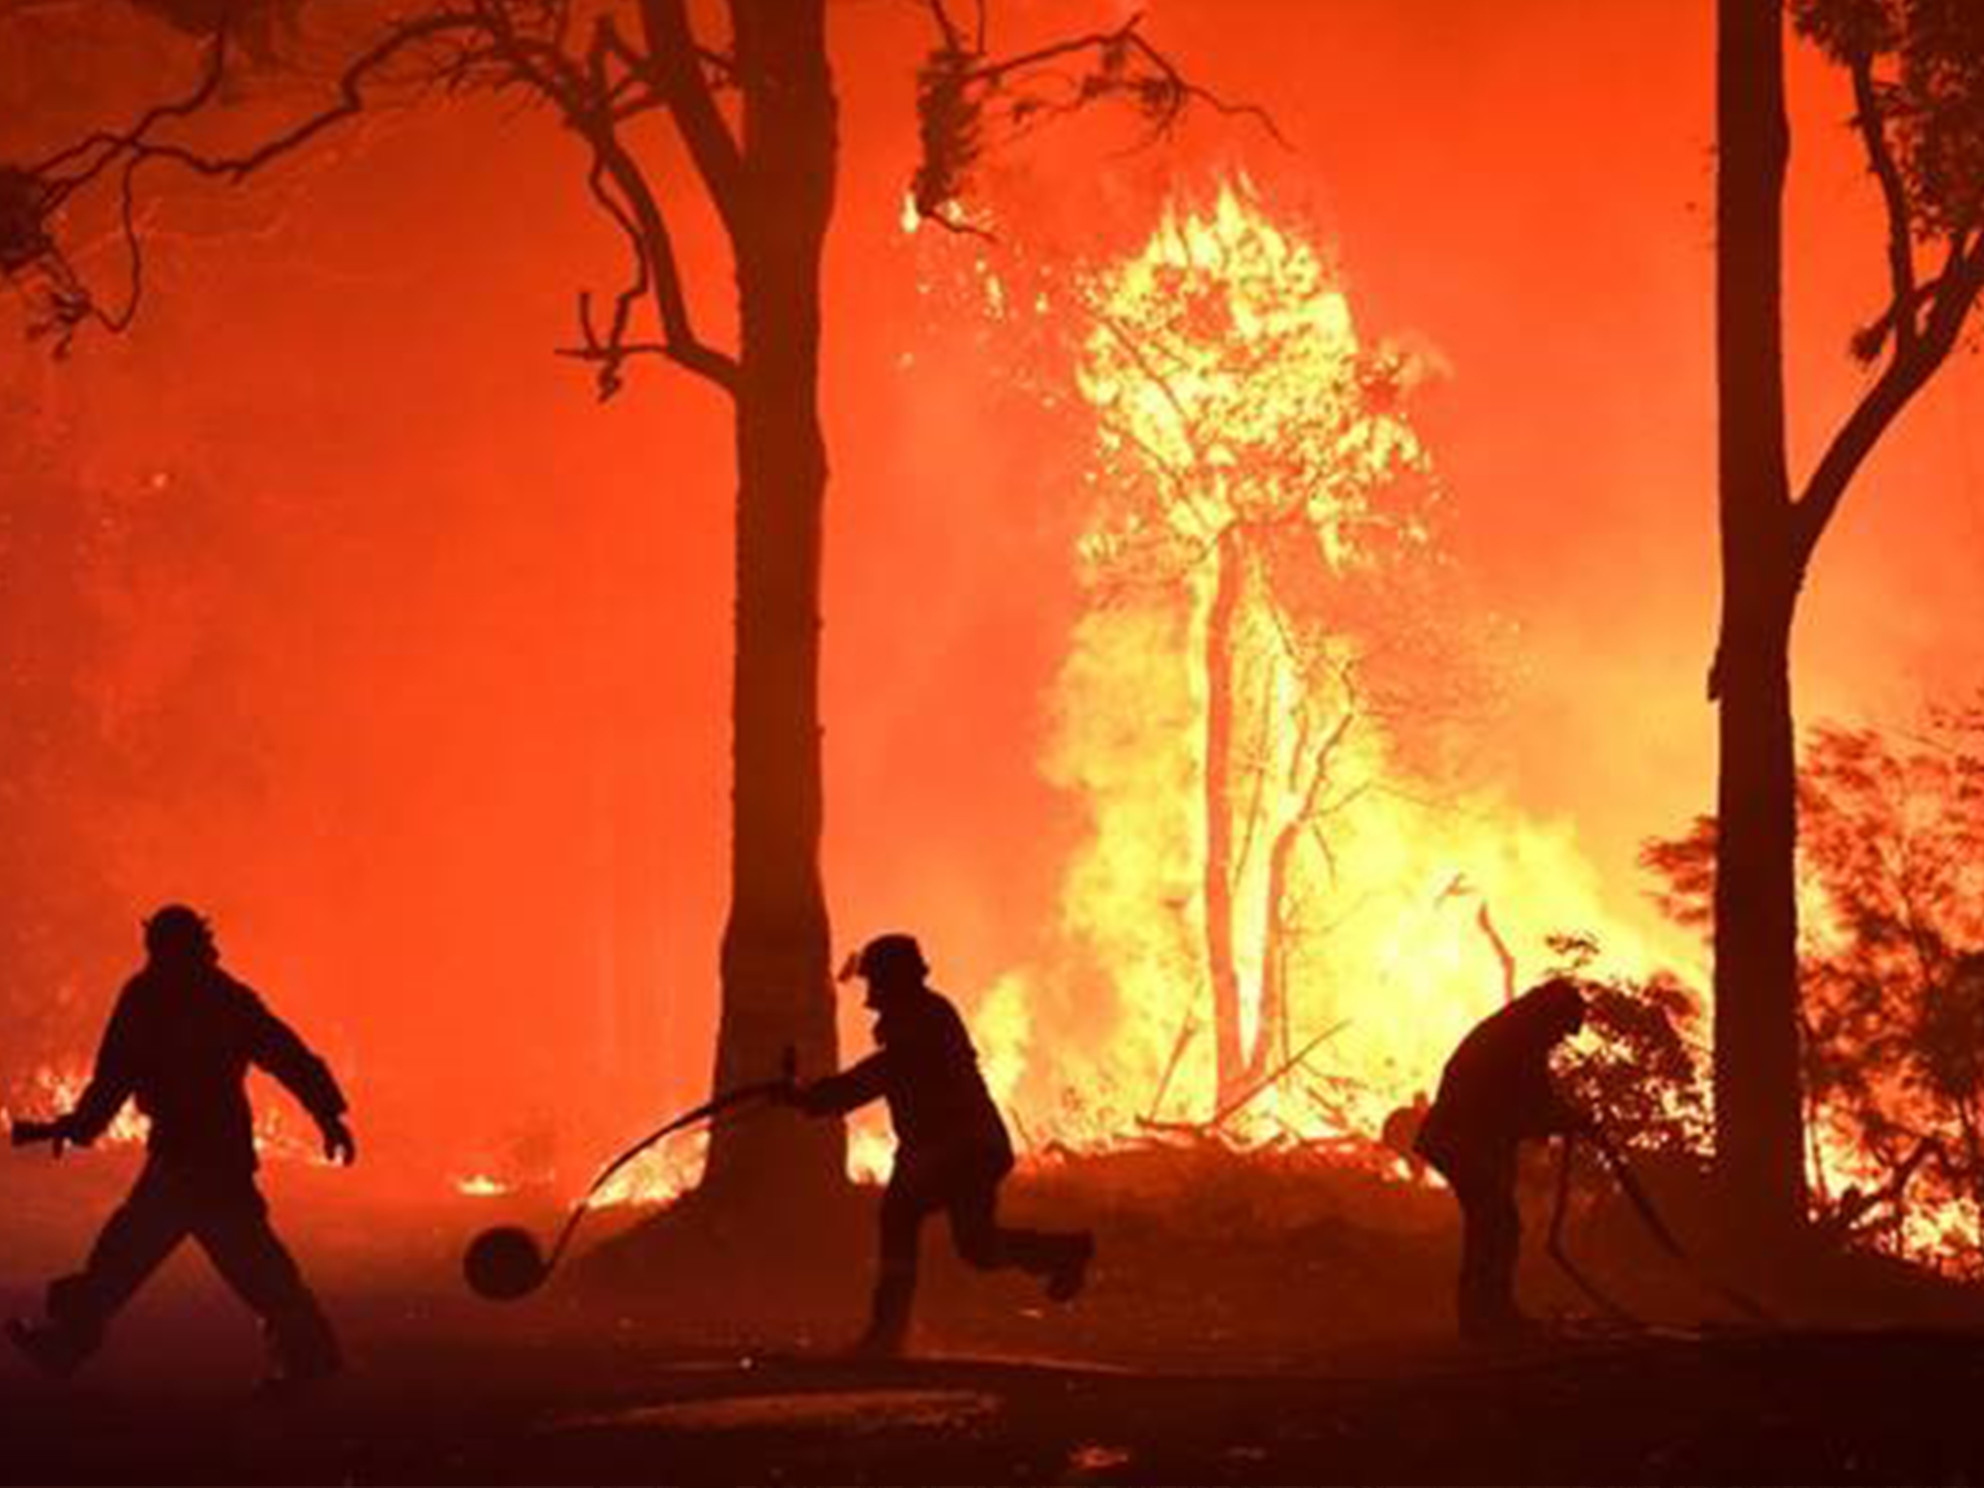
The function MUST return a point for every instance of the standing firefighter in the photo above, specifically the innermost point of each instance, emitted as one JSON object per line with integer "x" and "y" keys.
{"x": 1495, "y": 1093}
{"x": 951, "y": 1145}
{"x": 180, "y": 1042}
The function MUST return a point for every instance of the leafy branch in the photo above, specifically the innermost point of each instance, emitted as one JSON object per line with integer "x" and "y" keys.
{"x": 969, "y": 101}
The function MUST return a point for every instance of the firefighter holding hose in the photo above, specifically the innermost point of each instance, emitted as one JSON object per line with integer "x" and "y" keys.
{"x": 952, "y": 1150}
{"x": 1495, "y": 1094}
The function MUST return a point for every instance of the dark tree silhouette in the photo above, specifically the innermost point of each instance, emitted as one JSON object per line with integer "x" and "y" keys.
{"x": 1918, "y": 77}
{"x": 756, "y": 116}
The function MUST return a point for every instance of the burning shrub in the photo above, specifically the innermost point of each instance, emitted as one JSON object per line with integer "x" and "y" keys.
{"x": 1894, "y": 978}
{"x": 1640, "y": 1066}
{"x": 1891, "y": 865}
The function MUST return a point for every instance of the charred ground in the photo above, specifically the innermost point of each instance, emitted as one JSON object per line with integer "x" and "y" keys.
{"x": 1289, "y": 1324}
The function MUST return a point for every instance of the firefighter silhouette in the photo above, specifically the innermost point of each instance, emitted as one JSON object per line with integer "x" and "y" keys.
{"x": 952, "y": 1150}
{"x": 180, "y": 1043}
{"x": 1495, "y": 1093}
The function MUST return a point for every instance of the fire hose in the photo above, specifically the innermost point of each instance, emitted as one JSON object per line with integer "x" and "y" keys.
{"x": 505, "y": 1263}
{"x": 1649, "y": 1217}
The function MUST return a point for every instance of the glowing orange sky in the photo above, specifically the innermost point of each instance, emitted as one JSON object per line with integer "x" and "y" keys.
{"x": 495, "y": 662}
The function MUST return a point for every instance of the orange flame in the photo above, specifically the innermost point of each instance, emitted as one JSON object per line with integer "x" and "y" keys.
{"x": 1263, "y": 864}
{"x": 52, "y": 1089}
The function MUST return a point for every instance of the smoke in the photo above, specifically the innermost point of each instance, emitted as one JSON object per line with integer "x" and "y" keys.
{"x": 412, "y": 663}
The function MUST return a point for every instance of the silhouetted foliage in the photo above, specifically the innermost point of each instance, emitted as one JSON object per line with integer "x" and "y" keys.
{"x": 1891, "y": 880}
{"x": 1639, "y": 1066}
{"x": 1894, "y": 968}
{"x": 969, "y": 100}
{"x": 1923, "y": 64}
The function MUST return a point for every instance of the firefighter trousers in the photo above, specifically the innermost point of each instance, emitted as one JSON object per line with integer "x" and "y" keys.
{"x": 225, "y": 1212}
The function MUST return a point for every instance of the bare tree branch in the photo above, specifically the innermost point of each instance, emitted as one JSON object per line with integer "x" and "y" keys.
{"x": 1907, "y": 371}
{"x": 1166, "y": 94}
{"x": 678, "y": 71}
{"x": 959, "y": 81}
{"x": 1870, "y": 119}
{"x": 494, "y": 45}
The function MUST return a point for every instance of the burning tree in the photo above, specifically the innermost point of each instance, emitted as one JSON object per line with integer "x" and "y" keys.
{"x": 1258, "y": 479}
{"x": 1917, "y": 68}
{"x": 755, "y": 115}
{"x": 1298, "y": 881}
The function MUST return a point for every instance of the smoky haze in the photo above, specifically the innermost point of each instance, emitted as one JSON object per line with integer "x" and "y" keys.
{"x": 410, "y": 661}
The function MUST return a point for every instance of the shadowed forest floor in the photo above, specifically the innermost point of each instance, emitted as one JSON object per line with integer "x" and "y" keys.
{"x": 1288, "y": 1324}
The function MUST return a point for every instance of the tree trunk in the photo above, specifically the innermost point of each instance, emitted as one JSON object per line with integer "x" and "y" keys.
{"x": 1222, "y": 869}
{"x": 1759, "y": 1142}
{"x": 1271, "y": 1032}
{"x": 777, "y": 988}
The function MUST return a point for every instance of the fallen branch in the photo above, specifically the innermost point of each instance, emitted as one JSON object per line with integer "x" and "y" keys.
{"x": 1247, "y": 1097}
{"x": 1186, "y": 1032}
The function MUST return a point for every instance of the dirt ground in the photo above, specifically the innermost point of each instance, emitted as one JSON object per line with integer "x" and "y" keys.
{"x": 1244, "y": 1323}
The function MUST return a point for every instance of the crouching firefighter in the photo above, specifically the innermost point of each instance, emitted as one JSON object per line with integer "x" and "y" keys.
{"x": 180, "y": 1042}
{"x": 952, "y": 1150}
{"x": 1495, "y": 1093}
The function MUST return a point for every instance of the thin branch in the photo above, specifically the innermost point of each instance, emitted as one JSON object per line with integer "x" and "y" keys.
{"x": 106, "y": 143}
{"x": 489, "y": 42}
{"x": 1903, "y": 377}
{"x": 611, "y": 351}
{"x": 1246, "y": 1097}
{"x": 680, "y": 342}
{"x": 351, "y": 101}
{"x": 946, "y": 27}
{"x": 1870, "y": 118}
{"x": 61, "y": 175}
{"x": 676, "y": 60}
{"x": 1171, "y": 95}
{"x": 1187, "y": 1031}
{"x": 958, "y": 81}
{"x": 632, "y": 205}
{"x": 1503, "y": 954}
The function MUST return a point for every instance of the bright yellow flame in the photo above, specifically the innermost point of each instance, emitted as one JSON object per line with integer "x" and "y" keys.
{"x": 53, "y": 1090}
{"x": 658, "y": 1176}
{"x": 670, "y": 1170}
{"x": 1252, "y": 454}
